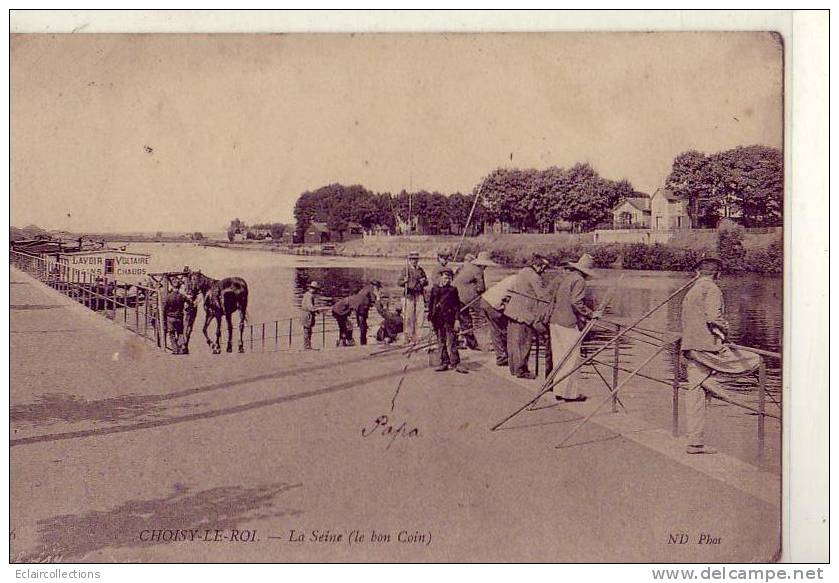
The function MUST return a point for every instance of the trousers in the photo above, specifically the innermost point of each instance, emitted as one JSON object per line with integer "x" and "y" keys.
{"x": 696, "y": 397}
{"x": 562, "y": 339}
{"x": 498, "y": 330}
{"x": 519, "y": 340}
{"x": 464, "y": 318}
{"x": 447, "y": 344}
{"x": 413, "y": 306}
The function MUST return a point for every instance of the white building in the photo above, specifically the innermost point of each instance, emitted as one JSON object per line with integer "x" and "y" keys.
{"x": 667, "y": 211}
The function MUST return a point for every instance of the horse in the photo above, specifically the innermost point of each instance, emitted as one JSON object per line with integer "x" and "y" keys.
{"x": 222, "y": 298}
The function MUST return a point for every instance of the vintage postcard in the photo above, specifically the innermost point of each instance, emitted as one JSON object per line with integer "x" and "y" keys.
{"x": 397, "y": 297}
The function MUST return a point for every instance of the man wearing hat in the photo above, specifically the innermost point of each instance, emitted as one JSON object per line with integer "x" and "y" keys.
{"x": 307, "y": 304}
{"x": 569, "y": 314}
{"x": 443, "y": 306}
{"x": 528, "y": 296}
{"x": 704, "y": 333}
{"x": 443, "y": 258}
{"x": 470, "y": 284}
{"x": 413, "y": 281}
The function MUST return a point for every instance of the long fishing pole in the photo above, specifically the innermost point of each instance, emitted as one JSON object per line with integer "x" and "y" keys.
{"x": 549, "y": 385}
{"x": 469, "y": 218}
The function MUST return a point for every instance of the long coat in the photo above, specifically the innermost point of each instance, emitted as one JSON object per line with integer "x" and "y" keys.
{"x": 469, "y": 282}
{"x": 528, "y": 297}
{"x": 568, "y": 308}
{"x": 702, "y": 308}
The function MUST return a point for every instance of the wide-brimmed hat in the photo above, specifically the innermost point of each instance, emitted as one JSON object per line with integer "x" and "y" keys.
{"x": 585, "y": 265}
{"x": 484, "y": 258}
{"x": 413, "y": 255}
{"x": 314, "y": 285}
{"x": 446, "y": 270}
{"x": 444, "y": 252}
{"x": 468, "y": 258}
{"x": 709, "y": 257}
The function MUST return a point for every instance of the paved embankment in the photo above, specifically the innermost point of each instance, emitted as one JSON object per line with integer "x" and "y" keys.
{"x": 115, "y": 444}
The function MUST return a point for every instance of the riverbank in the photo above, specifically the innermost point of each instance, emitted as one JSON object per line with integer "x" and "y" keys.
{"x": 113, "y": 440}
{"x": 759, "y": 253}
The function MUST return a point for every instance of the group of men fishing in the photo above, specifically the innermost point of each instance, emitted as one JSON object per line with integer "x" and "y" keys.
{"x": 523, "y": 305}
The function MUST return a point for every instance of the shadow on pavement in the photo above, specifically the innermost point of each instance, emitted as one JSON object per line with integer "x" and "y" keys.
{"x": 69, "y": 537}
{"x": 362, "y": 382}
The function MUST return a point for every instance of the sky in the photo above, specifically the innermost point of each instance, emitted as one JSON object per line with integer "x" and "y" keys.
{"x": 186, "y": 132}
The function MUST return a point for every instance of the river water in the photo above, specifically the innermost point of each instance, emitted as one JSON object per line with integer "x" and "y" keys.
{"x": 276, "y": 281}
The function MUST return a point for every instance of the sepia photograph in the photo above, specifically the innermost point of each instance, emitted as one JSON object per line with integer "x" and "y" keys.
{"x": 398, "y": 297}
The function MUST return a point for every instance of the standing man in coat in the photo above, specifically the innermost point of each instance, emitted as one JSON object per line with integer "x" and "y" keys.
{"x": 528, "y": 298}
{"x": 173, "y": 312}
{"x": 443, "y": 306}
{"x": 413, "y": 281}
{"x": 704, "y": 333}
{"x": 470, "y": 284}
{"x": 307, "y": 305}
{"x": 569, "y": 315}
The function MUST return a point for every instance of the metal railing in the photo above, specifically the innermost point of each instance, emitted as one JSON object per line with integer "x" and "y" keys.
{"x": 618, "y": 362}
{"x": 131, "y": 305}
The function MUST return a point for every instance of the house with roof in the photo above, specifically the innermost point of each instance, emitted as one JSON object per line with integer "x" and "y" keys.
{"x": 317, "y": 234}
{"x": 668, "y": 211}
{"x": 632, "y": 213}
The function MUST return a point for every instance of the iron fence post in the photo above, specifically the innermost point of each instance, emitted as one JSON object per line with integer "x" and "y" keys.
{"x": 290, "y": 320}
{"x": 617, "y": 358}
{"x": 677, "y": 377}
{"x": 761, "y": 405}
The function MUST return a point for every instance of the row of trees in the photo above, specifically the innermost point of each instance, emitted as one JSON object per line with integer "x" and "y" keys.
{"x": 745, "y": 182}
{"x": 536, "y": 199}
{"x": 429, "y": 212}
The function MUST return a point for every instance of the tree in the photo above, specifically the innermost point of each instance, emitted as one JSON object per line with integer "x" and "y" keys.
{"x": 746, "y": 181}
{"x": 197, "y": 236}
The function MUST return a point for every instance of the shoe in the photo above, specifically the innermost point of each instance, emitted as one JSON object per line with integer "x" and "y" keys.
{"x": 502, "y": 363}
{"x": 577, "y": 399}
{"x": 559, "y": 397}
{"x": 696, "y": 449}
{"x": 461, "y": 370}
{"x": 441, "y": 368}
{"x": 527, "y": 375}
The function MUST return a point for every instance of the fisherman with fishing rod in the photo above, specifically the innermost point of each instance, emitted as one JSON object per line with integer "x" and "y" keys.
{"x": 470, "y": 284}
{"x": 413, "y": 282}
{"x": 523, "y": 310}
{"x": 569, "y": 315}
{"x": 704, "y": 339}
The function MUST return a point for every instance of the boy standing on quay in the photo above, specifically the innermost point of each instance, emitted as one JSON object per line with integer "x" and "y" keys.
{"x": 443, "y": 306}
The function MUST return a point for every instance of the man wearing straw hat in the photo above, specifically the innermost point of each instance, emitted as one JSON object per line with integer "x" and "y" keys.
{"x": 307, "y": 304}
{"x": 704, "y": 332}
{"x": 528, "y": 295}
{"x": 413, "y": 282}
{"x": 568, "y": 316}
{"x": 470, "y": 284}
